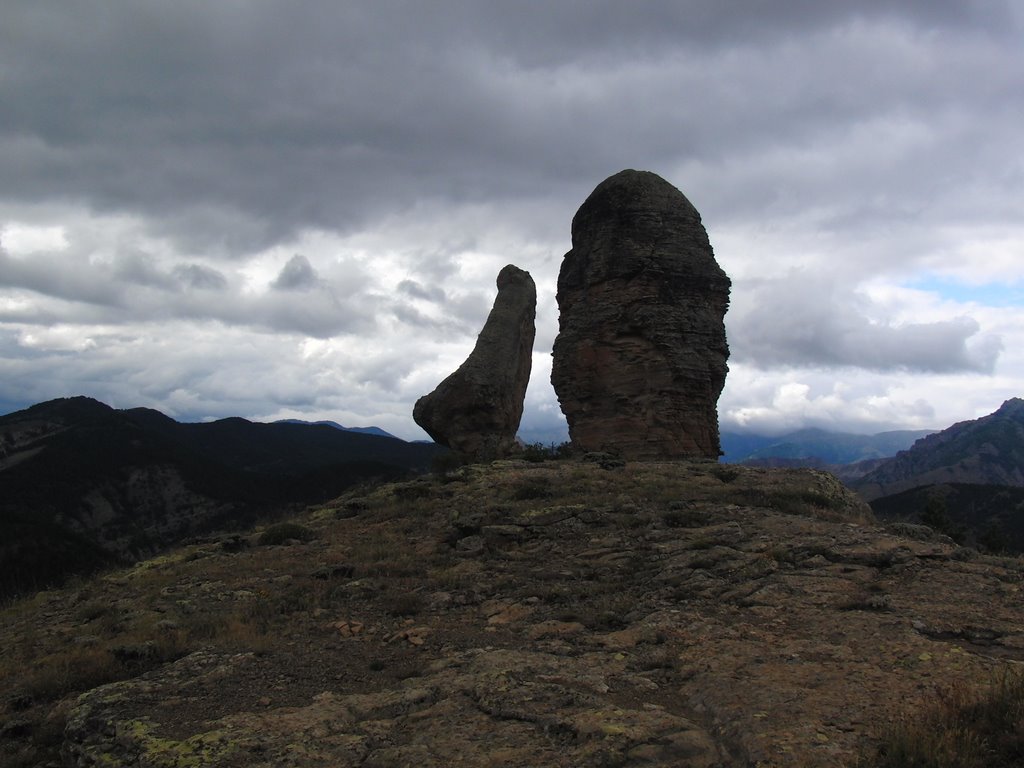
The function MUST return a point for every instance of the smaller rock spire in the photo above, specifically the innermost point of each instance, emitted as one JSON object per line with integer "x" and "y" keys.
{"x": 477, "y": 409}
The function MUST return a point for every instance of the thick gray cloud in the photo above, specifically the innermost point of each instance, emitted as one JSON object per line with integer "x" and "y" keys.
{"x": 234, "y": 124}
{"x": 817, "y": 321}
{"x": 297, "y": 275}
{"x": 199, "y": 277}
{"x": 133, "y": 288}
{"x": 163, "y": 166}
{"x": 417, "y": 290}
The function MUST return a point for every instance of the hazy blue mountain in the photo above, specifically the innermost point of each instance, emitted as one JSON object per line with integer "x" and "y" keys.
{"x": 361, "y": 430}
{"x": 805, "y": 447}
{"x": 543, "y": 435}
{"x": 737, "y": 446}
{"x": 816, "y": 447}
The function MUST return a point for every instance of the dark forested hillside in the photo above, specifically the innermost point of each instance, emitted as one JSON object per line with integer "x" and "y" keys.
{"x": 990, "y": 517}
{"x": 83, "y": 485}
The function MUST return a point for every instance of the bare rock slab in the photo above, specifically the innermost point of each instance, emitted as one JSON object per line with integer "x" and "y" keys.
{"x": 477, "y": 409}
{"x": 640, "y": 357}
{"x": 477, "y": 708}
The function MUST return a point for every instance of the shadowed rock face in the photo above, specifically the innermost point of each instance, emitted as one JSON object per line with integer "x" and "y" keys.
{"x": 476, "y": 410}
{"x": 640, "y": 357}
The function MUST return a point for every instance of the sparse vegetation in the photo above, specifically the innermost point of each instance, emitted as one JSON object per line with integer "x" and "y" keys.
{"x": 935, "y": 515}
{"x": 787, "y": 501}
{"x": 398, "y": 602}
{"x": 725, "y": 473}
{"x": 994, "y": 539}
{"x": 781, "y": 553}
{"x": 538, "y": 452}
{"x": 867, "y": 602}
{"x": 531, "y": 488}
{"x": 413, "y": 491}
{"x": 79, "y": 668}
{"x": 383, "y": 553}
{"x": 962, "y": 728}
{"x": 683, "y": 517}
{"x": 702, "y": 542}
{"x": 989, "y": 517}
{"x": 445, "y": 464}
{"x": 282, "y": 533}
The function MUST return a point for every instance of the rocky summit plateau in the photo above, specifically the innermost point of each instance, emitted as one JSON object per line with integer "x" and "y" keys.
{"x": 554, "y": 613}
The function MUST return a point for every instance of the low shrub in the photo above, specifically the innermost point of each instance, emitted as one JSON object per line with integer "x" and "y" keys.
{"x": 532, "y": 488}
{"x": 538, "y": 452}
{"x": 962, "y": 728}
{"x": 80, "y": 669}
{"x": 725, "y": 473}
{"x": 445, "y": 464}
{"x": 282, "y": 533}
{"x": 685, "y": 517}
{"x": 402, "y": 603}
{"x": 790, "y": 502}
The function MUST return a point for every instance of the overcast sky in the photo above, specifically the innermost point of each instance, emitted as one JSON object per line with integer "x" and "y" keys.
{"x": 298, "y": 209}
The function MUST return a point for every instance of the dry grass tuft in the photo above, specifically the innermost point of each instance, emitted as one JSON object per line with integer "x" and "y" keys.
{"x": 963, "y": 728}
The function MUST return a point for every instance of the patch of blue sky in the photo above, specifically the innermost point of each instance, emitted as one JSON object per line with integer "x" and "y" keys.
{"x": 994, "y": 294}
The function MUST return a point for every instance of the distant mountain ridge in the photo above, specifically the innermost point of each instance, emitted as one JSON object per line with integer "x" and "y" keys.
{"x": 985, "y": 451}
{"x": 83, "y": 485}
{"x": 361, "y": 430}
{"x": 824, "y": 448}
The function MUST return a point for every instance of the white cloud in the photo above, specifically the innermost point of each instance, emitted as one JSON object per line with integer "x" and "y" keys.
{"x": 22, "y": 239}
{"x": 778, "y": 402}
{"x": 57, "y": 338}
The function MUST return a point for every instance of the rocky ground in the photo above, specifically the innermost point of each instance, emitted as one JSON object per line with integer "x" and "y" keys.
{"x": 518, "y": 614}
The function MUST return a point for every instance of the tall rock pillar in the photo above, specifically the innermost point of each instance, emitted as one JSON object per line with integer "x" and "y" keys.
{"x": 477, "y": 409}
{"x": 640, "y": 356}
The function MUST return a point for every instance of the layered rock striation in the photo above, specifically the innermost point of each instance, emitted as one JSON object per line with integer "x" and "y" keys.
{"x": 477, "y": 409}
{"x": 640, "y": 357}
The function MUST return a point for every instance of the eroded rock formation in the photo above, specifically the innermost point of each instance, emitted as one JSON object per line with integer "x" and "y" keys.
{"x": 476, "y": 410}
{"x": 640, "y": 357}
